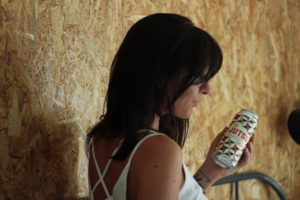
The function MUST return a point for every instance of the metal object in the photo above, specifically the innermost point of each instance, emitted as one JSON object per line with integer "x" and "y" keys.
{"x": 236, "y": 178}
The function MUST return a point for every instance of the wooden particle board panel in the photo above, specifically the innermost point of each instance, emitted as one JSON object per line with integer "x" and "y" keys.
{"x": 55, "y": 59}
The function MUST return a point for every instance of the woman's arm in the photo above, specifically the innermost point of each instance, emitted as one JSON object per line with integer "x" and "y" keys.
{"x": 209, "y": 172}
{"x": 156, "y": 171}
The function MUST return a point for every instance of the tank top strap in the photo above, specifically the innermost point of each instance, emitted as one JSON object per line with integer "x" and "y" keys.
{"x": 153, "y": 133}
{"x": 110, "y": 160}
{"x": 102, "y": 175}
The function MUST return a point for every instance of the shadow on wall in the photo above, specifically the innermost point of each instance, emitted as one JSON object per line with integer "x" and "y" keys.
{"x": 38, "y": 155}
{"x": 42, "y": 162}
{"x": 281, "y": 125}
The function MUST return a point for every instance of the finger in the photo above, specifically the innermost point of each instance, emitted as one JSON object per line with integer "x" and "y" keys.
{"x": 221, "y": 134}
{"x": 250, "y": 147}
{"x": 252, "y": 139}
{"x": 225, "y": 129}
{"x": 245, "y": 158}
{"x": 247, "y": 153}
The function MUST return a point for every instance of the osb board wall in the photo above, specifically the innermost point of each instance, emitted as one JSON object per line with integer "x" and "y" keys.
{"x": 54, "y": 65}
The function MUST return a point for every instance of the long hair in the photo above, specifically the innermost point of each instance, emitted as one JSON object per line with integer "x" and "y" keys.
{"x": 159, "y": 58}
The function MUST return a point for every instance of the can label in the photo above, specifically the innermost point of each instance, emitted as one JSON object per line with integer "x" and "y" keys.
{"x": 231, "y": 146}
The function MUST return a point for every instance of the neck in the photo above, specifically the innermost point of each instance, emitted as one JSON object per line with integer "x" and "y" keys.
{"x": 155, "y": 124}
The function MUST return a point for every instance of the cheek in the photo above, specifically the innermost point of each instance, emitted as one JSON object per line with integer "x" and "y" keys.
{"x": 183, "y": 108}
{"x": 190, "y": 94}
{"x": 183, "y": 113}
{"x": 185, "y": 103}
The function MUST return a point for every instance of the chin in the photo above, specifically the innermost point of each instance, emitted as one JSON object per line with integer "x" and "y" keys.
{"x": 183, "y": 116}
{"x": 183, "y": 113}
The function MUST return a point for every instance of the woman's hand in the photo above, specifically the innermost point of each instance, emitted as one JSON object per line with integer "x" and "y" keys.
{"x": 212, "y": 172}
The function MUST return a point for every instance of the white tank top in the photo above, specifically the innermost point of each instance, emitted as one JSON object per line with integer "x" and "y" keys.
{"x": 190, "y": 190}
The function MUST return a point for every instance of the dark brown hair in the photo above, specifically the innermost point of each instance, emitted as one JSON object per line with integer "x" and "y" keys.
{"x": 160, "y": 57}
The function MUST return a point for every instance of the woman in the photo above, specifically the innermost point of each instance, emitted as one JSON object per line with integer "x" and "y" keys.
{"x": 159, "y": 74}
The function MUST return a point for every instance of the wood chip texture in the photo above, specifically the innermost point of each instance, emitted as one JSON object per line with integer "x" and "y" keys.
{"x": 55, "y": 58}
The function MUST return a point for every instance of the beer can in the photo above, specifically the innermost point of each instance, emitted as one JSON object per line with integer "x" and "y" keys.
{"x": 230, "y": 148}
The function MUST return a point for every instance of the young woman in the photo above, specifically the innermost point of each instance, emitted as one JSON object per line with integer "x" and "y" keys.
{"x": 158, "y": 76}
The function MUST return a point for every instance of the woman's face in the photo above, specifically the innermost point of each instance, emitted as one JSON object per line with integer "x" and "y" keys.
{"x": 189, "y": 99}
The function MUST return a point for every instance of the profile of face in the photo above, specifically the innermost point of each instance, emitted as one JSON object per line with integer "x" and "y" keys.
{"x": 189, "y": 99}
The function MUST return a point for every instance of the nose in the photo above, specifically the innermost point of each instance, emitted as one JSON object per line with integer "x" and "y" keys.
{"x": 204, "y": 89}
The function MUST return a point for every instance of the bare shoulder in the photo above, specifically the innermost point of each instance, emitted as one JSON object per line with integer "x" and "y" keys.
{"x": 159, "y": 148}
{"x": 162, "y": 145}
{"x": 156, "y": 169}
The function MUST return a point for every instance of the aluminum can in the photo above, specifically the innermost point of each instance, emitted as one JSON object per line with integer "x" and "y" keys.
{"x": 230, "y": 148}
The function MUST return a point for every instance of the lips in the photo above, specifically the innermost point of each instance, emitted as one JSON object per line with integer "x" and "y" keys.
{"x": 195, "y": 103}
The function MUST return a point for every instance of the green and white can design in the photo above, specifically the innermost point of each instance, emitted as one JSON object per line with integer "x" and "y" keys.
{"x": 231, "y": 146}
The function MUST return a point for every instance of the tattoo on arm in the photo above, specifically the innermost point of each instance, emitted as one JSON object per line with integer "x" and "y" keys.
{"x": 202, "y": 180}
